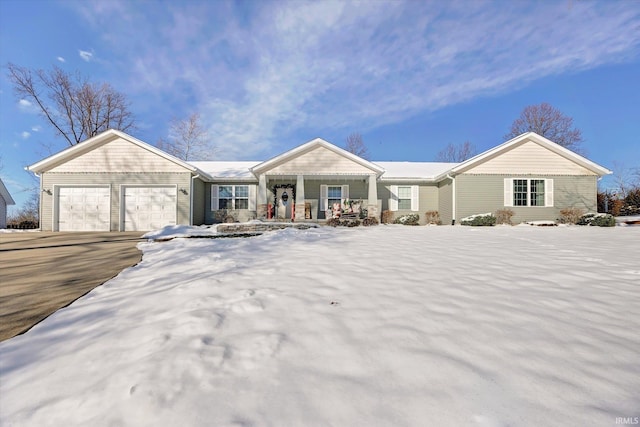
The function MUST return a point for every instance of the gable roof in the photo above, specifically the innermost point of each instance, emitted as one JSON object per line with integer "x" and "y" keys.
{"x": 95, "y": 142}
{"x": 540, "y": 140}
{"x": 4, "y": 193}
{"x": 306, "y": 147}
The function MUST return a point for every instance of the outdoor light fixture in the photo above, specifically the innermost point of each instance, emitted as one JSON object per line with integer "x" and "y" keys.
{"x": 44, "y": 190}
{"x": 183, "y": 191}
{"x": 285, "y": 197}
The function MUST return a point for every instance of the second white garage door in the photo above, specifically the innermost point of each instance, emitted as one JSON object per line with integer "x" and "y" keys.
{"x": 149, "y": 208}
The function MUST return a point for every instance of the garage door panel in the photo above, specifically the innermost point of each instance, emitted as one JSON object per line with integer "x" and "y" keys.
{"x": 83, "y": 208}
{"x": 148, "y": 208}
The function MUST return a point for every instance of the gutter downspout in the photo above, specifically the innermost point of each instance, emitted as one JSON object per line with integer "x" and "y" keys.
{"x": 453, "y": 199}
{"x": 191, "y": 197}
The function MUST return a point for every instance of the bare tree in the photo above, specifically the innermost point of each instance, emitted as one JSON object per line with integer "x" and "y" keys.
{"x": 547, "y": 121}
{"x": 75, "y": 107}
{"x": 188, "y": 139}
{"x": 355, "y": 145}
{"x": 457, "y": 153}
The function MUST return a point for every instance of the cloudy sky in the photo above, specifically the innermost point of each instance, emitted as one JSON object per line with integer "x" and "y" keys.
{"x": 266, "y": 76}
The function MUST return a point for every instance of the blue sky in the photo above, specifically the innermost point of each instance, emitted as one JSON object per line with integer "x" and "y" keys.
{"x": 265, "y": 76}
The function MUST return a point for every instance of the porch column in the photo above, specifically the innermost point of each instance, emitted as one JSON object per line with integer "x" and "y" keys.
{"x": 372, "y": 203}
{"x": 300, "y": 198}
{"x": 262, "y": 197}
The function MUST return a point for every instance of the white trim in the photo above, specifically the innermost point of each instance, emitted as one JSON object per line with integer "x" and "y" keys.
{"x": 415, "y": 198}
{"x": 4, "y": 193}
{"x": 55, "y": 214}
{"x": 393, "y": 198}
{"x": 548, "y": 192}
{"x": 508, "y": 192}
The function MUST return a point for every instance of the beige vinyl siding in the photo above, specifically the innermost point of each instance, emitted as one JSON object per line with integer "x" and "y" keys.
{"x": 532, "y": 158}
{"x": 445, "y": 201}
{"x": 199, "y": 200}
{"x": 118, "y": 156}
{"x": 115, "y": 180}
{"x": 319, "y": 160}
{"x": 476, "y": 194}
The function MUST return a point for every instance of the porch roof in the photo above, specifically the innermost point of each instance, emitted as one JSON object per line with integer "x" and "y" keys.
{"x": 414, "y": 170}
{"x": 240, "y": 170}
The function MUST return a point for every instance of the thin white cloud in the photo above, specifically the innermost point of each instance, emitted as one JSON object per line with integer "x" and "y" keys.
{"x": 36, "y": 128}
{"x": 264, "y": 73}
{"x": 85, "y": 55}
{"x": 61, "y": 59}
{"x": 25, "y": 135}
{"x": 27, "y": 106}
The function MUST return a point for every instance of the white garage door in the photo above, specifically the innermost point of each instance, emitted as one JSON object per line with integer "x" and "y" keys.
{"x": 84, "y": 208}
{"x": 149, "y": 208}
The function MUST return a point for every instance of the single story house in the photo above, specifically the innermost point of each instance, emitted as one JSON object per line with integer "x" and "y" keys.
{"x": 5, "y": 201}
{"x": 115, "y": 182}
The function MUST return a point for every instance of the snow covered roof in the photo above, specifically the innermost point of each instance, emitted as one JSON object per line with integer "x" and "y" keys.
{"x": 4, "y": 193}
{"x": 414, "y": 170}
{"x": 231, "y": 170}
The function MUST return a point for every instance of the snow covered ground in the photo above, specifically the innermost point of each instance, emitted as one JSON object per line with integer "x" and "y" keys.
{"x": 381, "y": 326}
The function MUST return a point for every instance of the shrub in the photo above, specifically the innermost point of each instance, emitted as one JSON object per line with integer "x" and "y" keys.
{"x": 570, "y": 215}
{"x": 367, "y": 222}
{"x": 597, "y": 220}
{"x": 333, "y": 222}
{"x": 409, "y": 219}
{"x": 387, "y": 217}
{"x": 503, "y": 216}
{"x": 432, "y": 217}
{"x": 479, "y": 220}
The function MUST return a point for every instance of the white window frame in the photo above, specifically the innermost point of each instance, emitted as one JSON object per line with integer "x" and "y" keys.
{"x": 324, "y": 195}
{"x": 251, "y": 196}
{"x": 394, "y": 199}
{"x": 509, "y": 194}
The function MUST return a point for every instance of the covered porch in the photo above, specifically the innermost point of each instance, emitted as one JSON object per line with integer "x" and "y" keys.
{"x": 313, "y": 197}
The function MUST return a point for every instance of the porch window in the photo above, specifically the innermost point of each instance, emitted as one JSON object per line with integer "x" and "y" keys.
{"x": 231, "y": 197}
{"x": 334, "y": 195}
{"x": 528, "y": 192}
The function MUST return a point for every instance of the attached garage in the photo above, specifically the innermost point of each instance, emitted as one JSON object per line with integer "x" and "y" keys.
{"x": 148, "y": 207}
{"x": 82, "y": 208}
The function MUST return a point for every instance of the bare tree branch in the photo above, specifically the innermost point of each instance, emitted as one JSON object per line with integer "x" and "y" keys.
{"x": 355, "y": 145}
{"x": 188, "y": 140}
{"x": 457, "y": 153}
{"x": 76, "y": 108}
{"x": 547, "y": 121}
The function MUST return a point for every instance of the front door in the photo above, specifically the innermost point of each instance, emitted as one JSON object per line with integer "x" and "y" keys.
{"x": 284, "y": 202}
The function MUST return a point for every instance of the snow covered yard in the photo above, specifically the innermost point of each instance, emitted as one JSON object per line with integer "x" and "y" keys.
{"x": 382, "y": 326}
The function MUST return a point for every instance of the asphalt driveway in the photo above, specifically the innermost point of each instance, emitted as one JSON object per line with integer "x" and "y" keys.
{"x": 41, "y": 272}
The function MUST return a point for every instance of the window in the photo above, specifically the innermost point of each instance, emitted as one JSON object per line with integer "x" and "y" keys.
{"x": 528, "y": 192}
{"x": 330, "y": 194}
{"x": 404, "y": 198}
{"x": 231, "y": 197}
{"x": 334, "y": 195}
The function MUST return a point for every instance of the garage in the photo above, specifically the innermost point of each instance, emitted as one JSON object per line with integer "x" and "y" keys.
{"x": 149, "y": 208}
{"x": 83, "y": 208}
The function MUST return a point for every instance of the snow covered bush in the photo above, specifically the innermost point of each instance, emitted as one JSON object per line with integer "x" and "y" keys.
{"x": 570, "y": 215}
{"x": 479, "y": 220}
{"x": 367, "y": 222}
{"x": 597, "y": 219}
{"x": 503, "y": 216}
{"x": 409, "y": 219}
{"x": 432, "y": 217}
